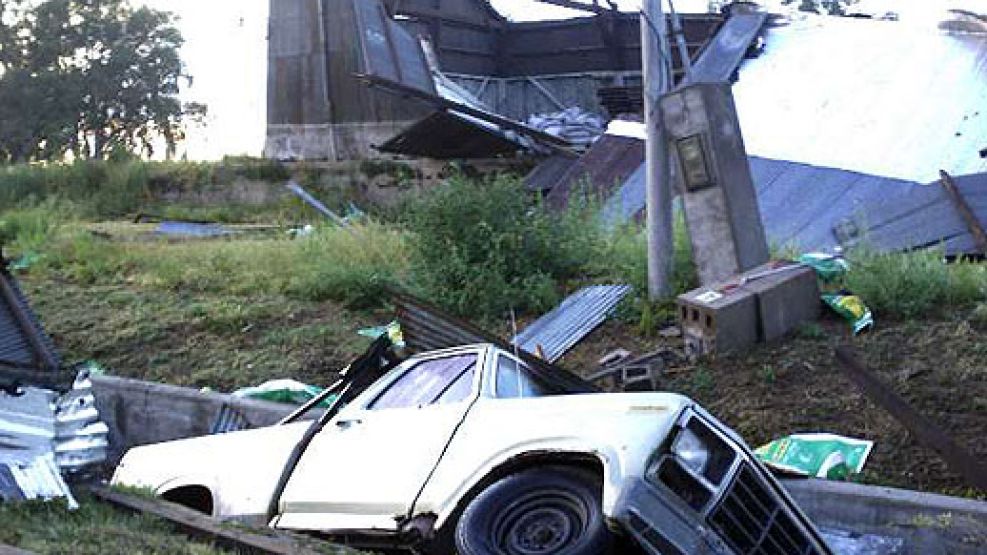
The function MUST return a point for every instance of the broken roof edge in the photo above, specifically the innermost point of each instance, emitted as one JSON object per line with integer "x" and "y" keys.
{"x": 27, "y": 354}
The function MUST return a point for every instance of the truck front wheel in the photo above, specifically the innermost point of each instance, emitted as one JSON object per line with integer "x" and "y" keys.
{"x": 544, "y": 511}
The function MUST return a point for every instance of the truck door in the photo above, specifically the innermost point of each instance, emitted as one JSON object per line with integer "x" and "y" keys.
{"x": 366, "y": 468}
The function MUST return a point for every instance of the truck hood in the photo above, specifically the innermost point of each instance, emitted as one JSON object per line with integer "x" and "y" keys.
{"x": 240, "y": 469}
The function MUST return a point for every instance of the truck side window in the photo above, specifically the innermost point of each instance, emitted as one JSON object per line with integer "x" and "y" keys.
{"x": 441, "y": 381}
{"x": 514, "y": 380}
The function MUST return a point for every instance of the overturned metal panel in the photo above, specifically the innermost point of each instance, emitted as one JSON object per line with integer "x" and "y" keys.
{"x": 427, "y": 328}
{"x": 555, "y": 333}
{"x": 606, "y": 165}
{"x": 448, "y": 136}
{"x": 27, "y": 354}
{"x": 885, "y": 98}
{"x": 38, "y": 478}
{"x": 388, "y": 50}
{"x": 729, "y": 47}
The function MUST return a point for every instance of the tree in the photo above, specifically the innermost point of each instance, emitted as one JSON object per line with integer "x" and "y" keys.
{"x": 87, "y": 78}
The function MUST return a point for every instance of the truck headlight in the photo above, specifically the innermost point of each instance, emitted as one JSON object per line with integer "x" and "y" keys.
{"x": 691, "y": 451}
{"x": 702, "y": 451}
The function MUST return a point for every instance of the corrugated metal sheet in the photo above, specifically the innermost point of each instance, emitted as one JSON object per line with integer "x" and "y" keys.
{"x": 27, "y": 354}
{"x": 427, "y": 328}
{"x": 389, "y": 51}
{"x": 877, "y": 97}
{"x": 35, "y": 479}
{"x": 186, "y": 229}
{"x": 815, "y": 208}
{"x": 609, "y": 162}
{"x": 555, "y": 333}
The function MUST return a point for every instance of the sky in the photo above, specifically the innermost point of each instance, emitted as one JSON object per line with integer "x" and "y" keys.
{"x": 226, "y": 55}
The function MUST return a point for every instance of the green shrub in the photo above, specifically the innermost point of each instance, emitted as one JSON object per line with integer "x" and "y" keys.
{"x": 481, "y": 248}
{"x": 908, "y": 285}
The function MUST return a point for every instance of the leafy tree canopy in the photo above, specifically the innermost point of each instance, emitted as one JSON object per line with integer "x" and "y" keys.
{"x": 88, "y": 78}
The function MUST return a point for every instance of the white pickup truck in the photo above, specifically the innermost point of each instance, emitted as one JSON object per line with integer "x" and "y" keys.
{"x": 465, "y": 450}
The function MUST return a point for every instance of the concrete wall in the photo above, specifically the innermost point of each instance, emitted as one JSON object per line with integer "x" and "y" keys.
{"x": 142, "y": 413}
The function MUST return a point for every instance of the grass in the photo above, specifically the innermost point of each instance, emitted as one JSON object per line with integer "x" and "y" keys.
{"x": 911, "y": 285}
{"x": 52, "y": 529}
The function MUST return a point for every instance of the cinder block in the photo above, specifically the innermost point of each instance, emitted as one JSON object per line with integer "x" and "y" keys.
{"x": 718, "y": 319}
{"x": 764, "y": 304}
{"x": 787, "y": 296}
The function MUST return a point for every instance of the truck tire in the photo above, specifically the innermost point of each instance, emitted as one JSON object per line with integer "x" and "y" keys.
{"x": 543, "y": 511}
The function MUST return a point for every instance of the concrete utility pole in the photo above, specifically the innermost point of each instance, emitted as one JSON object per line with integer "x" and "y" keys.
{"x": 657, "y": 81}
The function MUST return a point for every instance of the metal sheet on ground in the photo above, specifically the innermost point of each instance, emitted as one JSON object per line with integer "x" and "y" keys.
{"x": 555, "y": 333}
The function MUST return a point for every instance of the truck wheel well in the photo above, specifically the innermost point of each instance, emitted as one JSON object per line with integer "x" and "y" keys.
{"x": 581, "y": 461}
{"x": 197, "y": 498}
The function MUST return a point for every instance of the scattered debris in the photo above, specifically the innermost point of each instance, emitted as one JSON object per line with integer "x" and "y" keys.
{"x": 392, "y": 331}
{"x": 285, "y": 391}
{"x": 188, "y": 229}
{"x": 38, "y": 478}
{"x": 555, "y": 333}
{"x": 831, "y": 271}
{"x": 575, "y": 125}
{"x": 969, "y": 216}
{"x": 634, "y": 373}
{"x": 427, "y": 328}
{"x": 315, "y": 203}
{"x": 614, "y": 357}
{"x": 229, "y": 419}
{"x": 927, "y": 433}
{"x": 817, "y": 455}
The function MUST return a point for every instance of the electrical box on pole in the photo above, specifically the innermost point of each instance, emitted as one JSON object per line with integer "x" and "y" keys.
{"x": 714, "y": 177}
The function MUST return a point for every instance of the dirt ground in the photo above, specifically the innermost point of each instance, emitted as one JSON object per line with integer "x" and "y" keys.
{"x": 225, "y": 342}
{"x": 796, "y": 386}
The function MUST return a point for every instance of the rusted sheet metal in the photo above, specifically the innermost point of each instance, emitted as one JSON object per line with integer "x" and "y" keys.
{"x": 966, "y": 212}
{"x": 557, "y": 332}
{"x": 27, "y": 354}
{"x": 927, "y": 433}
{"x": 606, "y": 165}
{"x": 427, "y": 328}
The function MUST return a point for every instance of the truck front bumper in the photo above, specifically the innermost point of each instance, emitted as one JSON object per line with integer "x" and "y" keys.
{"x": 660, "y": 527}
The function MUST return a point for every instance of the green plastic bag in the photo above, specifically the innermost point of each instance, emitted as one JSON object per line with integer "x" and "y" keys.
{"x": 852, "y": 308}
{"x": 817, "y": 455}
{"x": 831, "y": 271}
{"x": 392, "y": 330}
{"x": 289, "y": 392}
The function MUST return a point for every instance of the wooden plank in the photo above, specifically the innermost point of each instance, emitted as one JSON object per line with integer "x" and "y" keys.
{"x": 238, "y": 538}
{"x": 972, "y": 223}
{"x": 926, "y": 432}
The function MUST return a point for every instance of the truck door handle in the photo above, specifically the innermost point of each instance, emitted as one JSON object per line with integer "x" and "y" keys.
{"x": 347, "y": 424}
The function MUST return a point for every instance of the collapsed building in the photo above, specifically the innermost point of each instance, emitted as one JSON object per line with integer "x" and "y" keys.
{"x": 319, "y": 110}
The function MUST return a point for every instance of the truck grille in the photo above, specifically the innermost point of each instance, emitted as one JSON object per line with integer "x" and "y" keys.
{"x": 754, "y": 521}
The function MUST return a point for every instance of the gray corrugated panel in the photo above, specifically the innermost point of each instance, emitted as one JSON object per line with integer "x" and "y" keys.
{"x": 26, "y": 352}
{"x": 389, "y": 51}
{"x": 9, "y": 490}
{"x": 561, "y": 329}
{"x": 39, "y": 479}
{"x": 81, "y": 439}
{"x": 186, "y": 229}
{"x": 882, "y": 98}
